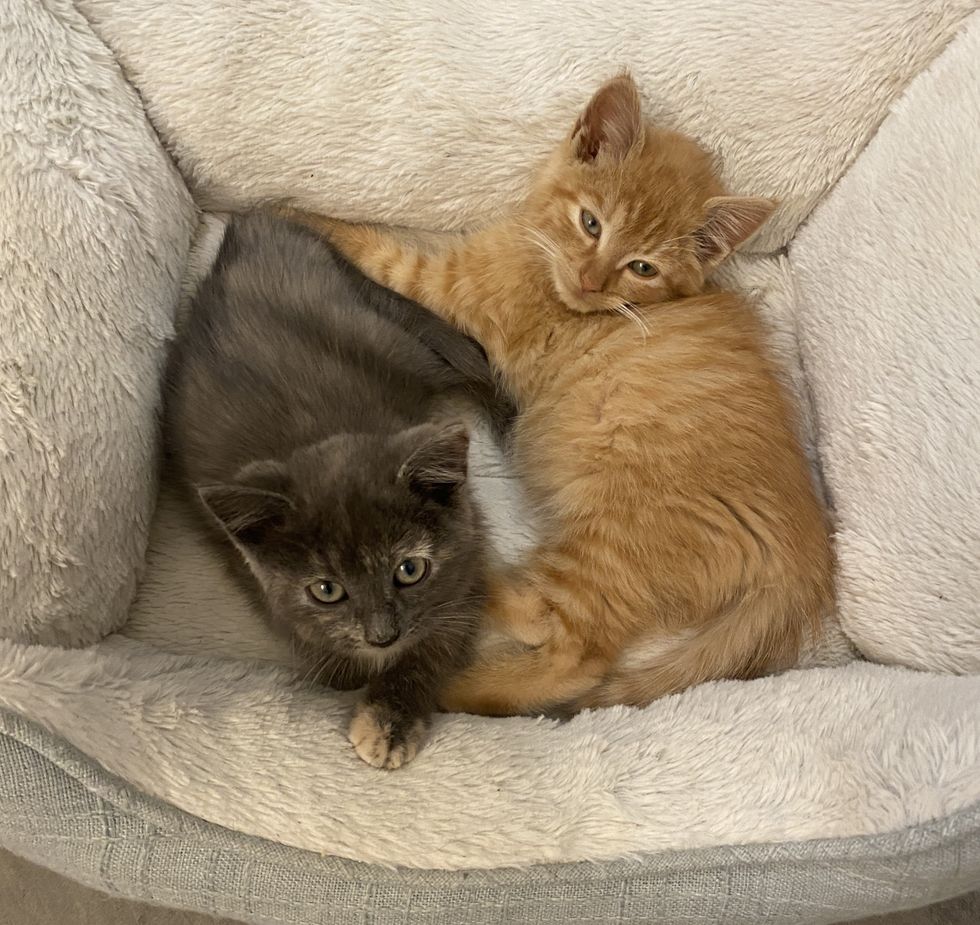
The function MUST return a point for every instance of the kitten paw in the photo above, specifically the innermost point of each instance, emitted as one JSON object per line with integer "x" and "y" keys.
{"x": 384, "y": 739}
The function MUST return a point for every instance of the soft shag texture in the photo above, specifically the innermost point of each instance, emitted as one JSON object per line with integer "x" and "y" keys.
{"x": 94, "y": 224}
{"x": 889, "y": 319}
{"x": 244, "y": 746}
{"x": 431, "y": 113}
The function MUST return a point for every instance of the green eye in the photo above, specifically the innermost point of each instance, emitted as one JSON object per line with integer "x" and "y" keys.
{"x": 642, "y": 268}
{"x": 411, "y": 571}
{"x": 326, "y": 592}
{"x": 591, "y": 224}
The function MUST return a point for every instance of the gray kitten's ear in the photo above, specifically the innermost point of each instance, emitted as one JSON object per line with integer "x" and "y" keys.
{"x": 437, "y": 464}
{"x": 611, "y": 123}
{"x": 248, "y": 508}
{"x": 729, "y": 220}
{"x": 267, "y": 474}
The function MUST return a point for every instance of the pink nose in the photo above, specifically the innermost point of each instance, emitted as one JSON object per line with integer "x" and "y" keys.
{"x": 588, "y": 283}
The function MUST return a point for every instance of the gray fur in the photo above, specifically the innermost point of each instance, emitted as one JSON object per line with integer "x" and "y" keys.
{"x": 307, "y": 407}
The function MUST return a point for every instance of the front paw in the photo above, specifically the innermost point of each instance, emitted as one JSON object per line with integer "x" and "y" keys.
{"x": 383, "y": 737}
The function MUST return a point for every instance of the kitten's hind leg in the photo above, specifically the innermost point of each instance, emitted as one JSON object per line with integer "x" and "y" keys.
{"x": 535, "y": 665}
{"x": 519, "y": 683}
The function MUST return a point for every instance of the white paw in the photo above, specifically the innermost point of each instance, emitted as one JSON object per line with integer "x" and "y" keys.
{"x": 381, "y": 739}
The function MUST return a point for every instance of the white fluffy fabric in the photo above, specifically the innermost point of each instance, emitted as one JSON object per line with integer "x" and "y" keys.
{"x": 431, "y": 113}
{"x": 889, "y": 319}
{"x": 95, "y": 224}
{"x": 810, "y": 754}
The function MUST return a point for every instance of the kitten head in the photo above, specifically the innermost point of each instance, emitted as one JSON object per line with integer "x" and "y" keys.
{"x": 628, "y": 215}
{"x": 362, "y": 544}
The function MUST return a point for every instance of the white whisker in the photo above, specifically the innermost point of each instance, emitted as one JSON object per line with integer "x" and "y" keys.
{"x": 317, "y": 668}
{"x": 542, "y": 241}
{"x": 627, "y": 311}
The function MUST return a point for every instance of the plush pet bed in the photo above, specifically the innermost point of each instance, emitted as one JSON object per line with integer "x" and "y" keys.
{"x": 155, "y": 741}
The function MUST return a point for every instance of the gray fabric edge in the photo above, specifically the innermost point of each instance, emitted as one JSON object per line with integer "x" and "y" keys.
{"x": 819, "y": 881}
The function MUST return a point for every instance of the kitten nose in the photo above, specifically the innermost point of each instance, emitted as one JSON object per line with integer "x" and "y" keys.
{"x": 588, "y": 282}
{"x": 381, "y": 628}
{"x": 381, "y": 638}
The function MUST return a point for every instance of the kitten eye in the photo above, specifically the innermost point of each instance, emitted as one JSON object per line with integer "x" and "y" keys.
{"x": 642, "y": 268}
{"x": 591, "y": 224}
{"x": 326, "y": 592}
{"x": 411, "y": 571}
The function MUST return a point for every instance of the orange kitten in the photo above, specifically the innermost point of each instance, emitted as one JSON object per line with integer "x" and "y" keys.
{"x": 684, "y": 541}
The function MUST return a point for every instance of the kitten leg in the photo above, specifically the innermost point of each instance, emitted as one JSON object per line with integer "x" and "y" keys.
{"x": 383, "y": 738}
{"x": 537, "y": 664}
{"x": 435, "y": 274}
{"x": 531, "y": 682}
{"x": 390, "y": 724}
{"x": 387, "y": 256}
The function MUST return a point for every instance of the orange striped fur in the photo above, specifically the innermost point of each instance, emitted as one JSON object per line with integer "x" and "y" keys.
{"x": 684, "y": 541}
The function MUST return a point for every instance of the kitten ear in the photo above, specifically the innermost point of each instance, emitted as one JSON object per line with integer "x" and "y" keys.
{"x": 250, "y": 506}
{"x": 267, "y": 474}
{"x": 611, "y": 123}
{"x": 729, "y": 220}
{"x": 437, "y": 466}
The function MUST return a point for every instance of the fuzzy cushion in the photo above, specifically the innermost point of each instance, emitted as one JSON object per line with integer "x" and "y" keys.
{"x": 95, "y": 224}
{"x": 57, "y": 806}
{"x": 430, "y": 113}
{"x": 787, "y": 758}
{"x": 889, "y": 324}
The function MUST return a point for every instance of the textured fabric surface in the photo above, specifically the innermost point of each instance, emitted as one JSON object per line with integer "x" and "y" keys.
{"x": 34, "y": 895}
{"x": 430, "y": 113}
{"x": 963, "y": 910}
{"x": 94, "y": 225}
{"x": 63, "y": 811}
{"x": 889, "y": 317}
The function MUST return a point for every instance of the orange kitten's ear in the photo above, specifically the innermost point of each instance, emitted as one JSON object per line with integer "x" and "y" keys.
{"x": 612, "y": 122}
{"x": 729, "y": 221}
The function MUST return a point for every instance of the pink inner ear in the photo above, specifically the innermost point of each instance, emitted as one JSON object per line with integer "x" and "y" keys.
{"x": 730, "y": 221}
{"x": 611, "y": 123}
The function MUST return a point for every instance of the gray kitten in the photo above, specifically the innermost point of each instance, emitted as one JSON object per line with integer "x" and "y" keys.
{"x": 308, "y": 407}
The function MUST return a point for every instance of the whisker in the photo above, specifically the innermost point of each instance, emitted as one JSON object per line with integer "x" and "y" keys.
{"x": 541, "y": 240}
{"x": 545, "y": 248}
{"x": 333, "y": 674}
{"x": 315, "y": 670}
{"x": 627, "y": 311}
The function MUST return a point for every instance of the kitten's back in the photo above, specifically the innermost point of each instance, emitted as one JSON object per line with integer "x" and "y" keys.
{"x": 286, "y": 343}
